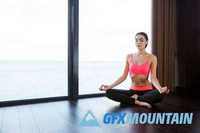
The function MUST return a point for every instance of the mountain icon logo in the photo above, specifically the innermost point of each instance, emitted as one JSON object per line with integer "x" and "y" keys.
{"x": 89, "y": 120}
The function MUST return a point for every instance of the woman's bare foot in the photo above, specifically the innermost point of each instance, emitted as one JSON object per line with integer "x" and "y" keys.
{"x": 144, "y": 104}
{"x": 140, "y": 103}
{"x": 135, "y": 96}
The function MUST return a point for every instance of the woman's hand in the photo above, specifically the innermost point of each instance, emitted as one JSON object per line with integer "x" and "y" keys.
{"x": 164, "y": 90}
{"x": 104, "y": 87}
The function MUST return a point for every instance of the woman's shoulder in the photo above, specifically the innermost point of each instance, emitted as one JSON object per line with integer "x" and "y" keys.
{"x": 129, "y": 55}
{"x": 152, "y": 57}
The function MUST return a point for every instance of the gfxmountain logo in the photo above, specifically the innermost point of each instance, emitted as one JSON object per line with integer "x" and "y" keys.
{"x": 89, "y": 120}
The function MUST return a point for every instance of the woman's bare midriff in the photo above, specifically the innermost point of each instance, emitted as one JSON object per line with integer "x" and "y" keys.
{"x": 140, "y": 80}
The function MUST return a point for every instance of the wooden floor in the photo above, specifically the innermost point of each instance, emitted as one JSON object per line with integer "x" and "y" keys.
{"x": 65, "y": 117}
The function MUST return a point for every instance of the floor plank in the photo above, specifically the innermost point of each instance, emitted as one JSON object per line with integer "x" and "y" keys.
{"x": 27, "y": 121}
{"x": 48, "y": 119}
{"x": 10, "y": 120}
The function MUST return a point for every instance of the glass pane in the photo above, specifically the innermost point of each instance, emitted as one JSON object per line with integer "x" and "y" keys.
{"x": 33, "y": 49}
{"x": 106, "y": 35}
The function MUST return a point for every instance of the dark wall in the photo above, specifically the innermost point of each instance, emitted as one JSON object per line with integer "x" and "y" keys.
{"x": 188, "y": 46}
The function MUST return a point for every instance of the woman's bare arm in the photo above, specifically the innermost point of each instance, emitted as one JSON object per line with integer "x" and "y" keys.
{"x": 123, "y": 76}
{"x": 154, "y": 79}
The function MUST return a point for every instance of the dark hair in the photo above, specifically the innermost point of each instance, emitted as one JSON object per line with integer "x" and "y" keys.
{"x": 143, "y": 34}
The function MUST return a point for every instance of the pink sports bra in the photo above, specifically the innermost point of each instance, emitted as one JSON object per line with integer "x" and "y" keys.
{"x": 142, "y": 69}
{"x": 139, "y": 69}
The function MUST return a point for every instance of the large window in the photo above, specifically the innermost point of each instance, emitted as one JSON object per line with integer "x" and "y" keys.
{"x": 33, "y": 49}
{"x": 106, "y": 34}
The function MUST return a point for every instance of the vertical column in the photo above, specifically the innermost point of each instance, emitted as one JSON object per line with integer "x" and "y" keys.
{"x": 73, "y": 50}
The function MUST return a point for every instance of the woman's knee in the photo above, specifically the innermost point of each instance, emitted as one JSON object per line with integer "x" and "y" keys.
{"x": 160, "y": 97}
{"x": 157, "y": 99}
{"x": 109, "y": 93}
{"x": 151, "y": 97}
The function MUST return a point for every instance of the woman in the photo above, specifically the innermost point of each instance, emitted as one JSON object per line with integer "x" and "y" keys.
{"x": 139, "y": 66}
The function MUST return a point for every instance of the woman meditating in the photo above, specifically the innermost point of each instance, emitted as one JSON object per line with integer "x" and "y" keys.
{"x": 139, "y": 66}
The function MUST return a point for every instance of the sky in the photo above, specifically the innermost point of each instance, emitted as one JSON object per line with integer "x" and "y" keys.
{"x": 33, "y": 30}
{"x": 107, "y": 28}
{"x": 37, "y": 29}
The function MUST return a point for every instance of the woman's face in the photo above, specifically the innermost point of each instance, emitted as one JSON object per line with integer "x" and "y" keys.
{"x": 140, "y": 42}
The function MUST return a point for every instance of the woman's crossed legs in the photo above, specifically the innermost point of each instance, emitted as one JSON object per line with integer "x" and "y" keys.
{"x": 131, "y": 97}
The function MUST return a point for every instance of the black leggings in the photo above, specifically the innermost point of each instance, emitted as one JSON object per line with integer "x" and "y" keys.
{"x": 124, "y": 96}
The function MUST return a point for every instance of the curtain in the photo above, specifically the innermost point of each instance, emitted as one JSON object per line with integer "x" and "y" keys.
{"x": 164, "y": 40}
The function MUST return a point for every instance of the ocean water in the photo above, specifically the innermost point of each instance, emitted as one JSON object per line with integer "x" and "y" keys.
{"x": 39, "y": 79}
{"x": 27, "y": 80}
{"x": 93, "y": 74}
